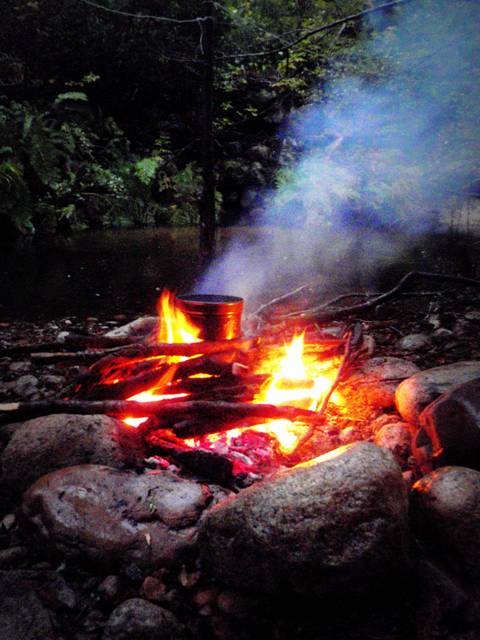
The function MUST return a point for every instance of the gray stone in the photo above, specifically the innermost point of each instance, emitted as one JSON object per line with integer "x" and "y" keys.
{"x": 452, "y": 423}
{"x": 115, "y": 517}
{"x": 48, "y": 443}
{"x": 20, "y": 367}
{"x": 414, "y": 342}
{"x": 50, "y": 586}
{"x": 446, "y": 511}
{"x": 397, "y": 438}
{"x": 12, "y": 556}
{"x": 137, "y": 619}
{"x": 24, "y": 387}
{"x": 337, "y": 522}
{"x": 375, "y": 382}
{"x": 22, "y": 615}
{"x": 415, "y": 393}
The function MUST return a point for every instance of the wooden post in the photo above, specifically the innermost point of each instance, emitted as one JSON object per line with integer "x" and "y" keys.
{"x": 207, "y": 202}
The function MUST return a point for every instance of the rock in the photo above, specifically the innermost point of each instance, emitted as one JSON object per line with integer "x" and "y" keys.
{"x": 446, "y": 511}
{"x": 19, "y": 367}
{"x": 452, "y": 423}
{"x": 137, "y": 619}
{"x": 397, "y": 438}
{"x": 48, "y": 443}
{"x": 109, "y": 588}
{"x": 53, "y": 382}
{"x": 337, "y": 522}
{"x": 473, "y": 316}
{"x": 415, "y": 393}
{"x": 422, "y": 451}
{"x": 115, "y": 517}
{"x": 24, "y": 387}
{"x": 235, "y": 605}
{"x": 12, "y": 556}
{"x": 8, "y": 522}
{"x": 50, "y": 587}
{"x": 22, "y": 615}
{"x": 375, "y": 382}
{"x": 138, "y": 327}
{"x": 153, "y": 589}
{"x": 382, "y": 420}
{"x": 414, "y": 342}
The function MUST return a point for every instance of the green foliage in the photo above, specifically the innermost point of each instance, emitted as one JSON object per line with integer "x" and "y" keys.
{"x": 76, "y": 96}
{"x": 59, "y": 173}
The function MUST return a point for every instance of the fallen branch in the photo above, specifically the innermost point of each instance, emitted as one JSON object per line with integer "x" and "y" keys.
{"x": 319, "y": 313}
{"x": 352, "y": 342}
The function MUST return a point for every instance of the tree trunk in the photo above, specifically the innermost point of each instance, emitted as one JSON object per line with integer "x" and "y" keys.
{"x": 207, "y": 203}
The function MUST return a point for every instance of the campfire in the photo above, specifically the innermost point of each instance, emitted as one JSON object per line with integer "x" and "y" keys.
{"x": 256, "y": 401}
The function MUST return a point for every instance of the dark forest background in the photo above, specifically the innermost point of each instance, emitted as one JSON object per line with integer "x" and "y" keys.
{"x": 100, "y": 112}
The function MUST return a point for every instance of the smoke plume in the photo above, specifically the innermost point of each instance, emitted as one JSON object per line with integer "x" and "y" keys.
{"x": 382, "y": 152}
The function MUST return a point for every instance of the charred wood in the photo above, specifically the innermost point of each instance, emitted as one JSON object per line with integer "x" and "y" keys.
{"x": 166, "y": 409}
{"x": 208, "y": 464}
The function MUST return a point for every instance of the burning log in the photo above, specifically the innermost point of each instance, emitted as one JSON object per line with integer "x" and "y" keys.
{"x": 195, "y": 427}
{"x": 165, "y": 410}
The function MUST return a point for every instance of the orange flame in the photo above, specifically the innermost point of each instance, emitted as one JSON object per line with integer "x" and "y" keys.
{"x": 174, "y": 326}
{"x": 297, "y": 381}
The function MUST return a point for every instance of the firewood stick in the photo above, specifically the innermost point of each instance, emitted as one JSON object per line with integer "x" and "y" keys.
{"x": 217, "y": 364}
{"x": 159, "y": 379}
{"x": 142, "y": 350}
{"x": 166, "y": 410}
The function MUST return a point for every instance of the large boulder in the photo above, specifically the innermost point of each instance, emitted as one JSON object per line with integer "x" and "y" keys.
{"x": 137, "y": 619}
{"x": 45, "y": 444}
{"x": 337, "y": 522}
{"x": 446, "y": 511}
{"x": 452, "y": 423}
{"x": 115, "y": 517}
{"x": 375, "y": 382}
{"x": 418, "y": 391}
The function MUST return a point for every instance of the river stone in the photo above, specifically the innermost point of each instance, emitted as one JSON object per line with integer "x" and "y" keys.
{"x": 414, "y": 342}
{"x": 415, "y": 393}
{"x": 337, "y": 522}
{"x": 375, "y": 382}
{"x": 137, "y": 619}
{"x": 22, "y": 614}
{"x": 446, "y": 511}
{"x": 397, "y": 438}
{"x": 45, "y": 444}
{"x": 452, "y": 423}
{"x": 115, "y": 517}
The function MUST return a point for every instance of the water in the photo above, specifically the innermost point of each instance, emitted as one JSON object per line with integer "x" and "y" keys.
{"x": 102, "y": 273}
{"x": 95, "y": 273}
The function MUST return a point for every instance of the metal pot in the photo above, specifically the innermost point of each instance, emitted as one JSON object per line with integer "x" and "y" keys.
{"x": 218, "y": 317}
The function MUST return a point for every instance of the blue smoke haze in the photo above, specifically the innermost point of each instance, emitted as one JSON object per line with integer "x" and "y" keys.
{"x": 379, "y": 158}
